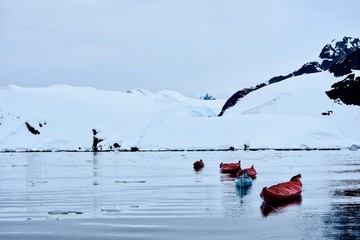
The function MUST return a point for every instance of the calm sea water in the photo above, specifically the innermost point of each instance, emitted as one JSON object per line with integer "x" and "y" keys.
{"x": 158, "y": 195}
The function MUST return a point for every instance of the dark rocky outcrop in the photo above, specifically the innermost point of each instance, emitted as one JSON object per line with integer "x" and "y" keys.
{"x": 310, "y": 67}
{"x": 134, "y": 149}
{"x": 234, "y": 98}
{"x": 347, "y": 90}
{"x": 327, "y": 113}
{"x": 32, "y": 129}
{"x": 96, "y": 141}
{"x": 238, "y": 95}
{"x": 347, "y": 64}
{"x": 336, "y": 51}
{"x": 279, "y": 78}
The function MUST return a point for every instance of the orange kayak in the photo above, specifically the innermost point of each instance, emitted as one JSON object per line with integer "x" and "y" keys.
{"x": 230, "y": 167}
{"x": 251, "y": 172}
{"x": 283, "y": 191}
{"x": 199, "y": 164}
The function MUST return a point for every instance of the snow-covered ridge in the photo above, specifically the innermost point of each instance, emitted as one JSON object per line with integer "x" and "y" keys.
{"x": 329, "y": 56}
{"x": 303, "y": 96}
{"x": 65, "y": 116}
{"x": 70, "y": 118}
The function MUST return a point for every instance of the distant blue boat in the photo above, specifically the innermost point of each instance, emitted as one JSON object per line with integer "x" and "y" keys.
{"x": 243, "y": 181}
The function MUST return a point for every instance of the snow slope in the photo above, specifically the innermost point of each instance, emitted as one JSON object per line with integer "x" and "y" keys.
{"x": 301, "y": 101}
{"x": 283, "y": 115}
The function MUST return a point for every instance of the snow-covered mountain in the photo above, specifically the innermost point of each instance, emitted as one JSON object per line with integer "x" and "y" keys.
{"x": 303, "y": 102}
{"x": 303, "y": 112}
{"x": 329, "y": 56}
{"x": 63, "y": 118}
{"x": 71, "y": 118}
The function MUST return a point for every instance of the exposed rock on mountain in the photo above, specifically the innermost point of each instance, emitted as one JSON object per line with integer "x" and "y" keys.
{"x": 332, "y": 56}
{"x": 32, "y": 129}
{"x": 345, "y": 65}
{"x": 336, "y": 51}
{"x": 311, "y": 67}
{"x": 347, "y": 90}
{"x": 234, "y": 98}
{"x": 296, "y": 114}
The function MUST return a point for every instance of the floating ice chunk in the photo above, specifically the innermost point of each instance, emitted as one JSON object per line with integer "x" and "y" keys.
{"x": 131, "y": 181}
{"x": 75, "y": 212}
{"x": 58, "y": 212}
{"x": 61, "y": 212}
{"x": 354, "y": 147}
{"x": 110, "y": 210}
{"x": 116, "y": 209}
{"x": 304, "y": 146}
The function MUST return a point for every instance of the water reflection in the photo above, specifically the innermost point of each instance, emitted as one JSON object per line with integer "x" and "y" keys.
{"x": 198, "y": 170}
{"x": 95, "y": 169}
{"x": 344, "y": 216}
{"x": 33, "y": 167}
{"x": 242, "y": 191}
{"x": 344, "y": 220}
{"x": 267, "y": 209}
{"x": 227, "y": 177}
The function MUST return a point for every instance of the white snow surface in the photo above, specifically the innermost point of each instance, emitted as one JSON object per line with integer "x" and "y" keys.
{"x": 282, "y": 115}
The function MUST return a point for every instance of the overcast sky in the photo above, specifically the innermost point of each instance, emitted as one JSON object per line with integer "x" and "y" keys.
{"x": 190, "y": 46}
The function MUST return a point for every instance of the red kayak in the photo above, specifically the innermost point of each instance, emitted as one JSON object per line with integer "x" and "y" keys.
{"x": 283, "y": 191}
{"x": 199, "y": 164}
{"x": 251, "y": 172}
{"x": 230, "y": 167}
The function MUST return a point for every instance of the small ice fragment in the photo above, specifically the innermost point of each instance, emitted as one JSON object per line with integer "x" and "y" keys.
{"x": 58, "y": 212}
{"x": 76, "y": 212}
{"x": 131, "y": 181}
{"x": 116, "y": 209}
{"x": 63, "y": 212}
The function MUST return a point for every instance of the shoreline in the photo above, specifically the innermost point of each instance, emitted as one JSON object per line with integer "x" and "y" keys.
{"x": 188, "y": 150}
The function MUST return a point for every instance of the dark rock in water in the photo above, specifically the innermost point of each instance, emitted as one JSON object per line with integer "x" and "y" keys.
{"x": 347, "y": 90}
{"x": 96, "y": 141}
